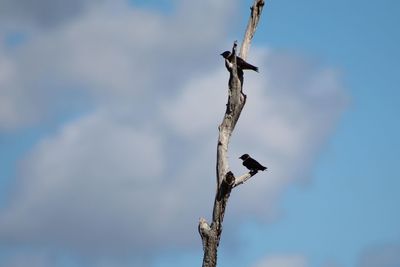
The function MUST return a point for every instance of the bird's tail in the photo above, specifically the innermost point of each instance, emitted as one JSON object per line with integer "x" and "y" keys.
{"x": 250, "y": 67}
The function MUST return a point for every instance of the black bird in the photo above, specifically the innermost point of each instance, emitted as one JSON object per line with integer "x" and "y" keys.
{"x": 243, "y": 65}
{"x": 252, "y": 164}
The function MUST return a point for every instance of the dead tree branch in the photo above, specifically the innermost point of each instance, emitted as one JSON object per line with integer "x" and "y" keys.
{"x": 226, "y": 181}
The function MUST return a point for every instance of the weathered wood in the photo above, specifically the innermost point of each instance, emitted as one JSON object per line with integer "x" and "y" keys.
{"x": 243, "y": 178}
{"x": 226, "y": 181}
{"x": 255, "y": 15}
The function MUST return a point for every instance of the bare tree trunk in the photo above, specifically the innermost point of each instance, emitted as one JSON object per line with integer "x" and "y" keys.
{"x": 211, "y": 233}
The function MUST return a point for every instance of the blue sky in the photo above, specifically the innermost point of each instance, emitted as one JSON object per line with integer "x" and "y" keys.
{"x": 352, "y": 203}
{"x": 353, "y": 200}
{"x": 74, "y": 151}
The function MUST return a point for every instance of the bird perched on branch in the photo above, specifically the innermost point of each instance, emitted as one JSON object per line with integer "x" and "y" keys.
{"x": 242, "y": 65}
{"x": 252, "y": 164}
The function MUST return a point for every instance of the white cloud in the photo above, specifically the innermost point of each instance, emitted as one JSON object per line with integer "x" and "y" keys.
{"x": 295, "y": 260}
{"x": 104, "y": 56}
{"x": 137, "y": 171}
{"x": 199, "y": 107}
{"x": 78, "y": 186}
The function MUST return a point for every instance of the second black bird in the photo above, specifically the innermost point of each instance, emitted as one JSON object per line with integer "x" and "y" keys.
{"x": 243, "y": 65}
{"x": 251, "y": 163}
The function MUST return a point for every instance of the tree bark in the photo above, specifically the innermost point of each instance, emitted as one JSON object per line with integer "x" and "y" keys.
{"x": 226, "y": 181}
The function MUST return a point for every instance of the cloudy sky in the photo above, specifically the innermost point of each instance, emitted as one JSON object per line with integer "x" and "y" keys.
{"x": 108, "y": 126}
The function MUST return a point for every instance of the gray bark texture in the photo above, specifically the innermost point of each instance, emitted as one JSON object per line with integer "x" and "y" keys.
{"x": 226, "y": 181}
